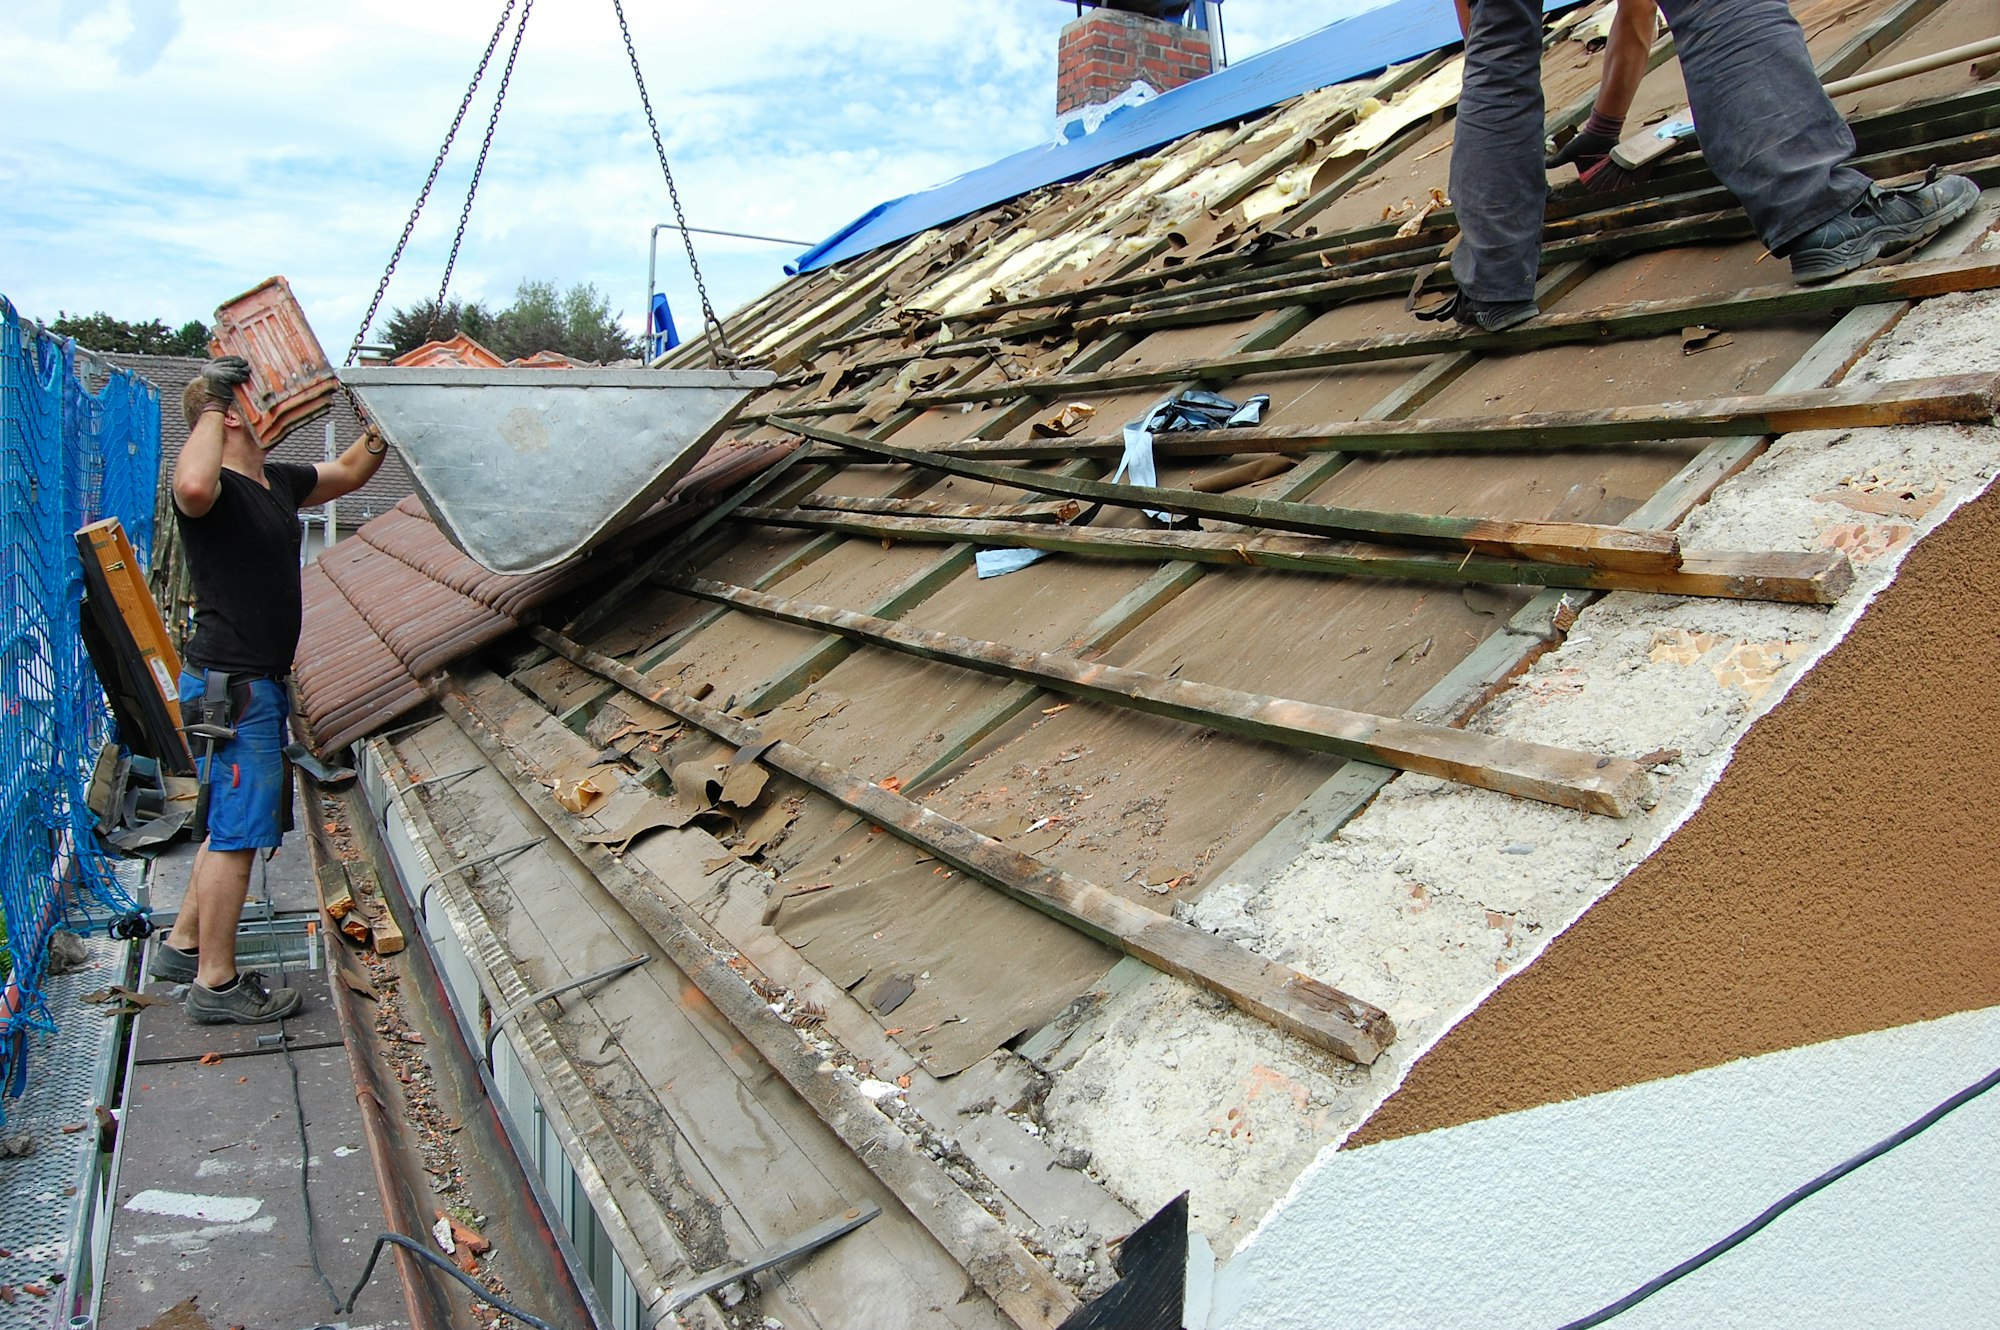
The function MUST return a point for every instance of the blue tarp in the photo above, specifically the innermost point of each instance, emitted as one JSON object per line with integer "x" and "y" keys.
{"x": 1400, "y": 30}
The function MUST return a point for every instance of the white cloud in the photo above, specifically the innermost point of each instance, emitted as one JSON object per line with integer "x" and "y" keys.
{"x": 164, "y": 156}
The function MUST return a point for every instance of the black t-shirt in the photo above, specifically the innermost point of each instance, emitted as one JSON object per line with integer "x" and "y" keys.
{"x": 243, "y": 555}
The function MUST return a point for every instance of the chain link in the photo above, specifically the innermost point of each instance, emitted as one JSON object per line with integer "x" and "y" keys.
{"x": 465, "y": 103}
{"x": 719, "y": 352}
{"x": 478, "y": 169}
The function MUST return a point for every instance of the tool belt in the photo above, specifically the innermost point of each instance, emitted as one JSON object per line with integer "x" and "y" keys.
{"x": 225, "y": 697}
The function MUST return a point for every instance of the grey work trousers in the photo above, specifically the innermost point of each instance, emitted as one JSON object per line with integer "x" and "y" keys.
{"x": 1767, "y": 128}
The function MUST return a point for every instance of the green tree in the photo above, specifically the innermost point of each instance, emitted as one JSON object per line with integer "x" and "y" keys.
{"x": 577, "y": 322}
{"x": 410, "y": 328}
{"x": 594, "y": 333}
{"x": 101, "y": 332}
{"x": 534, "y": 322}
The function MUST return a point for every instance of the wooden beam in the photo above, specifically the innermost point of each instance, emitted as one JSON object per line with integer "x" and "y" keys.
{"x": 993, "y": 1259}
{"x": 1949, "y": 398}
{"x": 1062, "y": 510}
{"x": 1394, "y": 275}
{"x": 1642, "y": 318}
{"x": 1817, "y": 577}
{"x": 1565, "y": 777}
{"x": 1551, "y": 542}
{"x": 1293, "y": 1002}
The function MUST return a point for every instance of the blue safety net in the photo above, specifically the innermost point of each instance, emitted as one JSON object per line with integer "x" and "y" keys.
{"x": 1362, "y": 44}
{"x": 79, "y": 442}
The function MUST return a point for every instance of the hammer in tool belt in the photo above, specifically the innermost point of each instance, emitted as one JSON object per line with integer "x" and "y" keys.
{"x": 211, "y": 727}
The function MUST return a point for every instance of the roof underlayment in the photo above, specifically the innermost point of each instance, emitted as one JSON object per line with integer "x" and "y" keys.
{"x": 840, "y": 1008}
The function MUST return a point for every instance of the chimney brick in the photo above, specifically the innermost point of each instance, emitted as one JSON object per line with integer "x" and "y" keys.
{"x": 1106, "y": 51}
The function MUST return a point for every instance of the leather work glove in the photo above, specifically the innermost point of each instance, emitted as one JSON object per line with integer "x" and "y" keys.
{"x": 221, "y": 377}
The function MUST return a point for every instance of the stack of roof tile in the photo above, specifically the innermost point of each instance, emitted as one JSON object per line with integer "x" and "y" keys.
{"x": 398, "y": 600}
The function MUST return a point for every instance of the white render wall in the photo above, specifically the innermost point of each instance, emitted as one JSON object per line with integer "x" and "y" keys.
{"x": 1536, "y": 1218}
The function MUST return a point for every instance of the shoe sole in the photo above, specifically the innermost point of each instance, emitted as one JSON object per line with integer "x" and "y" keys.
{"x": 1512, "y": 321}
{"x": 1869, "y": 246}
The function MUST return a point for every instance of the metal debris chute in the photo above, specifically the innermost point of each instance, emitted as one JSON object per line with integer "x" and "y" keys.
{"x": 523, "y": 468}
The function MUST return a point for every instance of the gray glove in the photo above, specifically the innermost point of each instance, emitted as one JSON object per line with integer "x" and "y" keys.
{"x": 221, "y": 377}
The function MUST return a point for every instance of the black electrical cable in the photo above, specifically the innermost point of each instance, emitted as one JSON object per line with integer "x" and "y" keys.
{"x": 412, "y": 1245}
{"x": 298, "y": 1098}
{"x": 340, "y": 1307}
{"x": 1832, "y": 1175}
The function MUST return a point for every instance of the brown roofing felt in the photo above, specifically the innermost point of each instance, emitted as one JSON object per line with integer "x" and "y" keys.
{"x": 1099, "y": 278}
{"x": 396, "y": 600}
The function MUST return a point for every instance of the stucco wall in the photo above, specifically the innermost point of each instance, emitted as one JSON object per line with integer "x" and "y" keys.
{"x": 1843, "y": 876}
{"x": 1532, "y": 1219}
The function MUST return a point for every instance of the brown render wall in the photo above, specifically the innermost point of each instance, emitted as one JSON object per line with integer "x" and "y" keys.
{"x": 1843, "y": 876}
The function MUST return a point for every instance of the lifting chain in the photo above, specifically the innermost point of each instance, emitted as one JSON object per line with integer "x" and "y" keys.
{"x": 382, "y": 288}
{"x": 719, "y": 349}
{"x": 719, "y": 352}
{"x": 479, "y": 167}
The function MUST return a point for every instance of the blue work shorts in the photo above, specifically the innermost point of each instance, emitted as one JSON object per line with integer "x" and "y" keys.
{"x": 246, "y": 806}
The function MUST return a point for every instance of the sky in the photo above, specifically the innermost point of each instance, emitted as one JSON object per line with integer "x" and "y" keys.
{"x": 165, "y": 155}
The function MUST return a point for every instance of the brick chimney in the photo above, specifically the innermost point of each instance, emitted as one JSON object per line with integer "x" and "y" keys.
{"x": 1108, "y": 50}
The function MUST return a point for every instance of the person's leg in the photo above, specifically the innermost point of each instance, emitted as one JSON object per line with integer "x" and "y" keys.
{"x": 222, "y": 881}
{"x": 173, "y": 959}
{"x": 185, "y": 935}
{"x": 246, "y": 816}
{"x": 1498, "y": 182}
{"x": 1767, "y": 128}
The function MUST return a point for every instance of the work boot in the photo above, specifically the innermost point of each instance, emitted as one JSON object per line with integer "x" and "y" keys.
{"x": 245, "y": 1002}
{"x": 171, "y": 965}
{"x": 1485, "y": 315}
{"x": 1881, "y": 221}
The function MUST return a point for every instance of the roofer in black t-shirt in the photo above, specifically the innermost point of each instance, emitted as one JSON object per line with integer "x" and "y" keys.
{"x": 238, "y": 518}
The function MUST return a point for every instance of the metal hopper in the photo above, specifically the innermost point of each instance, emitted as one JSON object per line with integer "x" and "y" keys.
{"x": 523, "y": 468}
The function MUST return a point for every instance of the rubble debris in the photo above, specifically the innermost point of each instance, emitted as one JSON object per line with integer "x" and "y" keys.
{"x": 181, "y": 1316}
{"x": 67, "y": 952}
{"x": 892, "y": 993}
